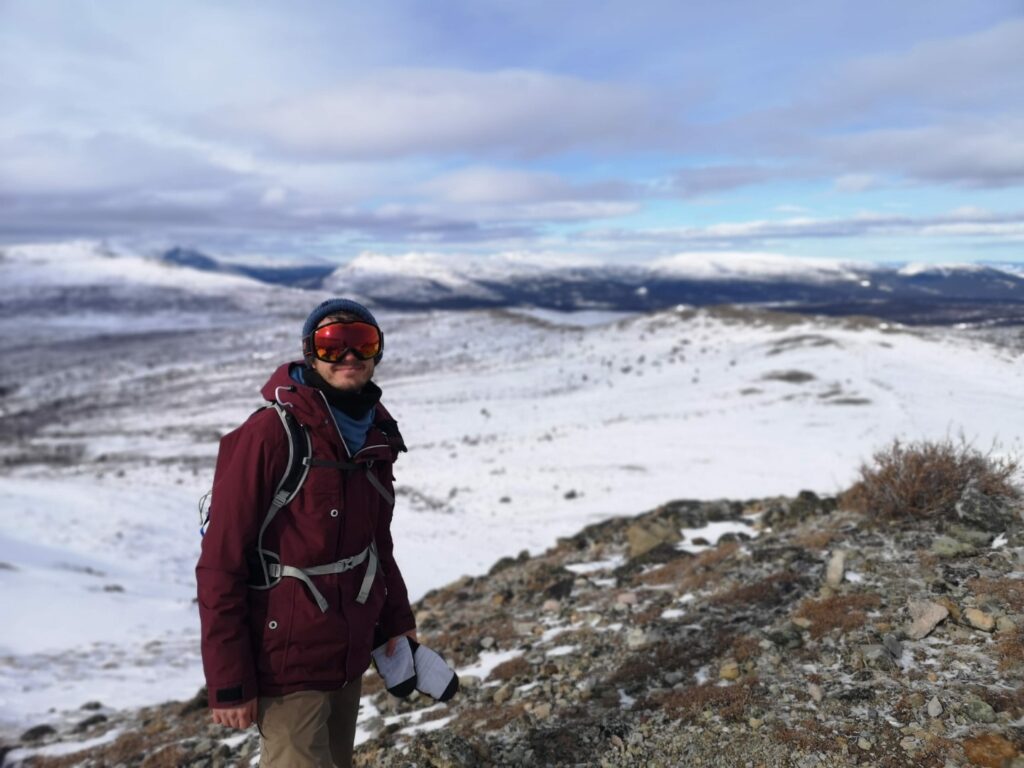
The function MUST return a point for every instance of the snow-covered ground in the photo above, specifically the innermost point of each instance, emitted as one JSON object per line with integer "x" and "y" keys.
{"x": 523, "y": 426}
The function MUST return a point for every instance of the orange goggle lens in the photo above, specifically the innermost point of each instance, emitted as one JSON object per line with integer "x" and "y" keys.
{"x": 332, "y": 341}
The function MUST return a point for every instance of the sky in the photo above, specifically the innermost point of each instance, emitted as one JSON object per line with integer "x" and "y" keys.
{"x": 321, "y": 129}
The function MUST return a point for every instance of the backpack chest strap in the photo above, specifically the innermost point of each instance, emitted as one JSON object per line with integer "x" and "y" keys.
{"x": 277, "y": 571}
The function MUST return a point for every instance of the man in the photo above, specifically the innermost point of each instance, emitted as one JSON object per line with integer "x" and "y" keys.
{"x": 290, "y": 601}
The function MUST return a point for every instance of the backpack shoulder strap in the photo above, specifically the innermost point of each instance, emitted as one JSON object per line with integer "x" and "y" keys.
{"x": 300, "y": 448}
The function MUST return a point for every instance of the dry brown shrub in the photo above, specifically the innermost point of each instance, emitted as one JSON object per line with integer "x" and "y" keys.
{"x": 691, "y": 573}
{"x": 815, "y": 539}
{"x": 512, "y": 668}
{"x": 487, "y": 717}
{"x": 1011, "y": 649}
{"x": 771, "y": 590}
{"x": 745, "y": 648}
{"x": 925, "y": 479}
{"x": 1008, "y": 591}
{"x": 989, "y": 749}
{"x": 731, "y": 702}
{"x": 809, "y": 735}
{"x": 843, "y": 612}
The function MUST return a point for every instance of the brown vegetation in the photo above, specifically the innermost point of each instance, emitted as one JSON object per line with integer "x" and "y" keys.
{"x": 925, "y": 479}
{"x": 772, "y": 590}
{"x": 844, "y": 612}
{"x": 517, "y": 667}
{"x": 732, "y": 703}
{"x": 1009, "y": 592}
{"x": 691, "y": 574}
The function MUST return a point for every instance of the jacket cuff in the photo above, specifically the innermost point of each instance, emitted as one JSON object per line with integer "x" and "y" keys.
{"x": 231, "y": 694}
{"x": 398, "y": 623}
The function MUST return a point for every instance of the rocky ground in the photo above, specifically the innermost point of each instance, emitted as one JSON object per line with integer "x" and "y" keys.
{"x": 775, "y": 632}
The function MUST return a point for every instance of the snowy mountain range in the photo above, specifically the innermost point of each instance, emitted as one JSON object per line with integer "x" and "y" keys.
{"x": 918, "y": 294}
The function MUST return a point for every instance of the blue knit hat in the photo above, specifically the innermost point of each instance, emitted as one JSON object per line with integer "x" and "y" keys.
{"x": 338, "y": 307}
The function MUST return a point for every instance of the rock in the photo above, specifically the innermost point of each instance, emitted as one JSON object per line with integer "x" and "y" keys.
{"x": 542, "y": 711}
{"x": 636, "y": 638}
{"x": 989, "y": 750}
{"x": 787, "y": 638}
{"x": 525, "y": 628}
{"x": 971, "y": 536}
{"x": 626, "y": 598}
{"x": 92, "y": 706}
{"x": 876, "y": 656}
{"x": 924, "y": 617}
{"x": 551, "y": 606}
{"x": 729, "y": 670}
{"x": 976, "y": 509}
{"x": 803, "y": 622}
{"x": 89, "y": 722}
{"x": 893, "y": 645}
{"x": 980, "y": 711}
{"x": 487, "y": 642}
{"x": 934, "y": 707}
{"x": 944, "y": 546}
{"x": 37, "y": 732}
{"x": 643, "y": 537}
{"x": 979, "y": 619}
{"x": 1005, "y": 624}
{"x": 836, "y": 568}
{"x": 815, "y": 692}
{"x": 865, "y": 743}
{"x": 503, "y": 694}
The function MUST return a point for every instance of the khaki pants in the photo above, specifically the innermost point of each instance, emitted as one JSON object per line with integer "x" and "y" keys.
{"x": 309, "y": 729}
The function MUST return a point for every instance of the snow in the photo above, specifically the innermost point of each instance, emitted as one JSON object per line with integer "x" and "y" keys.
{"x": 711, "y": 533}
{"x": 61, "y": 749}
{"x": 595, "y": 566}
{"x": 486, "y": 663}
{"x": 709, "y": 265}
{"x": 573, "y": 418}
{"x": 80, "y": 263}
{"x": 561, "y": 650}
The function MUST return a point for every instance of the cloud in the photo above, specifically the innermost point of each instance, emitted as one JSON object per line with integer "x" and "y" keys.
{"x": 695, "y": 182}
{"x": 959, "y": 223}
{"x": 401, "y": 113}
{"x": 56, "y": 162}
{"x": 241, "y": 216}
{"x": 972, "y": 153}
{"x": 491, "y": 186}
{"x": 978, "y": 69}
{"x": 855, "y": 182}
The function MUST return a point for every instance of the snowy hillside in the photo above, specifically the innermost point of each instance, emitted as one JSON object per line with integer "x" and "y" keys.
{"x": 92, "y": 283}
{"x": 522, "y": 426}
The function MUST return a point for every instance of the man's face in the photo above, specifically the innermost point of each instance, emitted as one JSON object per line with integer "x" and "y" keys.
{"x": 350, "y": 374}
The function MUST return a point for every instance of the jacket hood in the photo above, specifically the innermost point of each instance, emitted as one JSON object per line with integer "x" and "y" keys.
{"x": 306, "y": 403}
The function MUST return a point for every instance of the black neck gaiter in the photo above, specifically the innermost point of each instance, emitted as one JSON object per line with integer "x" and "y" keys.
{"x": 353, "y": 404}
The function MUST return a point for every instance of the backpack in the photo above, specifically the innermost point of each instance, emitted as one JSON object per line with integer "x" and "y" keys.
{"x": 300, "y": 460}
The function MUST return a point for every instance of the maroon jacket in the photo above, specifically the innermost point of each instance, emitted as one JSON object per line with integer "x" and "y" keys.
{"x": 276, "y": 641}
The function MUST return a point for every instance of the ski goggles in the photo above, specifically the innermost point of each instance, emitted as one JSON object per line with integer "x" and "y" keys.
{"x": 331, "y": 342}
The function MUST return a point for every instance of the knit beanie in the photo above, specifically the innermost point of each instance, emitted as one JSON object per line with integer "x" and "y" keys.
{"x": 339, "y": 307}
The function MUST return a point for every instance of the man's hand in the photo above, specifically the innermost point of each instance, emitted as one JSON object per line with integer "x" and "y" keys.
{"x": 236, "y": 717}
{"x": 393, "y": 642}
